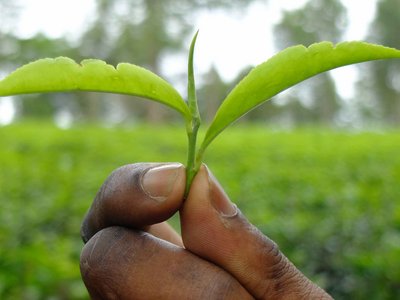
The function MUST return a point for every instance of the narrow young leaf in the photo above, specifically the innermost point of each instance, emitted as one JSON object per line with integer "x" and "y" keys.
{"x": 63, "y": 74}
{"x": 286, "y": 69}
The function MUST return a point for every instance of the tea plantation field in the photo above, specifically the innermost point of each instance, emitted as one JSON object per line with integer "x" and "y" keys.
{"x": 330, "y": 199}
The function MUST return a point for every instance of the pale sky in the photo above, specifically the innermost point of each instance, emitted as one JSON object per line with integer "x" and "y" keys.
{"x": 229, "y": 42}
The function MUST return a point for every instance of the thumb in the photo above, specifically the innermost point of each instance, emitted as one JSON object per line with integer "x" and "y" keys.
{"x": 214, "y": 229}
{"x": 136, "y": 196}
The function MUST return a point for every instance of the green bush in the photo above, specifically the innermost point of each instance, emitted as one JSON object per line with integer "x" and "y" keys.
{"x": 329, "y": 199}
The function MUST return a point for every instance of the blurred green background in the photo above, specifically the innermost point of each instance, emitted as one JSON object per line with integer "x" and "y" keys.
{"x": 330, "y": 199}
{"x": 317, "y": 169}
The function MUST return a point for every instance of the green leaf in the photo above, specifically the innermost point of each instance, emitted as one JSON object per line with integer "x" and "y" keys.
{"x": 63, "y": 74}
{"x": 192, "y": 127}
{"x": 286, "y": 69}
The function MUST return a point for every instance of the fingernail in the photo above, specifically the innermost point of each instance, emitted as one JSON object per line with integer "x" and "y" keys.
{"x": 158, "y": 182}
{"x": 219, "y": 199}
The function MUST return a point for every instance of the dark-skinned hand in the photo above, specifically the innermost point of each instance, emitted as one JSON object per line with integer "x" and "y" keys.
{"x": 132, "y": 253}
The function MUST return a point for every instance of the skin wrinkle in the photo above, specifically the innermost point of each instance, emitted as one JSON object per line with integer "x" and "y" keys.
{"x": 277, "y": 275}
{"x": 266, "y": 249}
{"x": 104, "y": 255}
{"x": 278, "y": 269}
{"x": 188, "y": 274}
{"x": 238, "y": 262}
{"x": 108, "y": 291}
{"x": 266, "y": 285}
{"x": 281, "y": 284}
{"x": 108, "y": 287}
{"x": 306, "y": 294}
{"x": 93, "y": 248}
{"x": 290, "y": 277}
{"x": 114, "y": 191}
{"x": 218, "y": 290}
{"x": 104, "y": 272}
{"x": 105, "y": 192}
{"x": 136, "y": 257}
{"x": 152, "y": 248}
{"x": 228, "y": 292}
{"x": 315, "y": 291}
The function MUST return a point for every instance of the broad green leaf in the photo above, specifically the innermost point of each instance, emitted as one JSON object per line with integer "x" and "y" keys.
{"x": 63, "y": 74}
{"x": 286, "y": 69}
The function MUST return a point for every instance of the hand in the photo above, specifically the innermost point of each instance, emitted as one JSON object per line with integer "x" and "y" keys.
{"x": 131, "y": 253}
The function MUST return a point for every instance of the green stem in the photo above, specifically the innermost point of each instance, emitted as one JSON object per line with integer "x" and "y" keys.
{"x": 191, "y": 167}
{"x": 192, "y": 127}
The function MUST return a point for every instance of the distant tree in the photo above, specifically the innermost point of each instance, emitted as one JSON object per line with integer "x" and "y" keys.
{"x": 318, "y": 20}
{"x": 16, "y": 51}
{"x": 379, "y": 87}
{"x": 8, "y": 16}
{"x": 9, "y": 11}
{"x": 144, "y": 32}
{"x": 42, "y": 105}
{"x": 213, "y": 90}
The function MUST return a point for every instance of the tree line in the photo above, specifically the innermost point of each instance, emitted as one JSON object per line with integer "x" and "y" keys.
{"x": 144, "y": 32}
